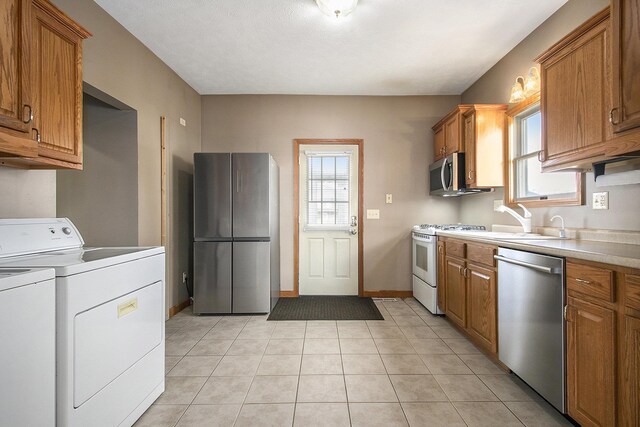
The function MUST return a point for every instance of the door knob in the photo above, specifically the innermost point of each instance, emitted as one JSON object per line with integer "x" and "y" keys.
{"x": 353, "y": 231}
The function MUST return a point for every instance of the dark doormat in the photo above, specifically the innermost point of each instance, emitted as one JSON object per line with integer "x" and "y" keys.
{"x": 325, "y": 308}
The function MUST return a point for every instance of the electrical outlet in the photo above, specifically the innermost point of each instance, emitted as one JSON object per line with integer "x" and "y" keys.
{"x": 184, "y": 278}
{"x": 497, "y": 204}
{"x": 601, "y": 200}
{"x": 389, "y": 198}
{"x": 183, "y": 122}
{"x": 373, "y": 214}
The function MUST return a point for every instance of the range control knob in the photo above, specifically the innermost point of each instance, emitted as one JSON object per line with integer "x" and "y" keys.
{"x": 66, "y": 230}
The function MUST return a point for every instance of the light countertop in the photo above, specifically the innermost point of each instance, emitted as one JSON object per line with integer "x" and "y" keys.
{"x": 621, "y": 254}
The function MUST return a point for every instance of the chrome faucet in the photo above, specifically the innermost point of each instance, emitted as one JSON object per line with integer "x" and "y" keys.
{"x": 562, "y": 232}
{"x": 524, "y": 221}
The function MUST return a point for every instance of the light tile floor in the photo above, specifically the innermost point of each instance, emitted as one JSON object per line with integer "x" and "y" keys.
{"x": 412, "y": 368}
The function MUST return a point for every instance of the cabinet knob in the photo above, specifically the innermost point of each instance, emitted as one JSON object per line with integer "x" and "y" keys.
{"x": 30, "y": 113}
{"x": 611, "y": 113}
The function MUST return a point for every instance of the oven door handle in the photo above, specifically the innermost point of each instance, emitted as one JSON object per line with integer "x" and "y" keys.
{"x": 444, "y": 184}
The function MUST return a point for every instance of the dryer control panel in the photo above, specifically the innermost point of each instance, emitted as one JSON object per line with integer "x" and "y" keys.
{"x": 36, "y": 235}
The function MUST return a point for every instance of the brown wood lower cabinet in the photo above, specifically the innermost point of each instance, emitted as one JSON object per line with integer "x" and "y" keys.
{"x": 631, "y": 372}
{"x": 591, "y": 363}
{"x": 456, "y": 294}
{"x": 471, "y": 290}
{"x": 482, "y": 306}
{"x": 603, "y": 344}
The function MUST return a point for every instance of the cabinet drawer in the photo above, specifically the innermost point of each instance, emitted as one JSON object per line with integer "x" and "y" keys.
{"x": 632, "y": 291}
{"x": 482, "y": 254}
{"x": 592, "y": 281}
{"x": 455, "y": 248}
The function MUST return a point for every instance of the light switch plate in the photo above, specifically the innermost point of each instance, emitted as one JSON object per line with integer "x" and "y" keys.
{"x": 373, "y": 213}
{"x": 183, "y": 122}
{"x": 601, "y": 200}
{"x": 389, "y": 198}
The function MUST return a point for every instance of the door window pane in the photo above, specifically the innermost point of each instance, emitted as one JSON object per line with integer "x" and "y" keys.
{"x": 329, "y": 190}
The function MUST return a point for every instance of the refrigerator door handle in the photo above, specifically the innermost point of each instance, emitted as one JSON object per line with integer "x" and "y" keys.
{"x": 238, "y": 181}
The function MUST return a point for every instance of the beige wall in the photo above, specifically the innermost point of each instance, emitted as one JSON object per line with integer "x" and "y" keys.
{"x": 494, "y": 87}
{"x": 27, "y": 194}
{"x": 397, "y": 149}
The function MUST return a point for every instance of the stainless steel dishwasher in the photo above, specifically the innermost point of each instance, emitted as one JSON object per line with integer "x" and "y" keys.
{"x": 530, "y": 321}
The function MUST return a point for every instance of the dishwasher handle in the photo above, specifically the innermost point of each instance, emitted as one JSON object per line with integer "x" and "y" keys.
{"x": 536, "y": 267}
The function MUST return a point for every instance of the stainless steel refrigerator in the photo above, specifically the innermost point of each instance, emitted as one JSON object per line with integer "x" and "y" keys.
{"x": 236, "y": 233}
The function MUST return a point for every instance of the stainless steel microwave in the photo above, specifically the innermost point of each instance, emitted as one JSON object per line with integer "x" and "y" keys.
{"x": 447, "y": 177}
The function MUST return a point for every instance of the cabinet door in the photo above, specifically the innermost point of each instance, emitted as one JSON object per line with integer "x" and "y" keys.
{"x": 456, "y": 292}
{"x": 626, "y": 63}
{"x": 438, "y": 144}
{"x": 575, "y": 100}
{"x": 452, "y": 135}
{"x": 482, "y": 303}
{"x": 442, "y": 286}
{"x": 15, "y": 102}
{"x": 57, "y": 62}
{"x": 591, "y": 363}
{"x": 630, "y": 387}
{"x": 470, "y": 149}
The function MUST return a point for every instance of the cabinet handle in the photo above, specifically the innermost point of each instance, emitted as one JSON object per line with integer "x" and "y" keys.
{"x": 465, "y": 271}
{"x": 565, "y": 312}
{"x": 540, "y": 156}
{"x": 470, "y": 174}
{"x": 586, "y": 282}
{"x": 30, "y": 113}
{"x": 611, "y": 119}
{"x": 37, "y": 134}
{"x": 460, "y": 270}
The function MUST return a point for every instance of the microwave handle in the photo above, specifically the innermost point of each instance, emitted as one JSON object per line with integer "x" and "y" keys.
{"x": 444, "y": 184}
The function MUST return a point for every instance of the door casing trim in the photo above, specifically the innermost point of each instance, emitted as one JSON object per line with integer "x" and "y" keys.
{"x": 296, "y": 206}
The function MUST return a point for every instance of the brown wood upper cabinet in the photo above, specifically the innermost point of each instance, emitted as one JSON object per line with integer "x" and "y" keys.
{"x": 483, "y": 145}
{"x": 45, "y": 84}
{"x": 575, "y": 97}
{"x": 448, "y": 133}
{"x": 625, "y": 35}
{"x": 16, "y": 107}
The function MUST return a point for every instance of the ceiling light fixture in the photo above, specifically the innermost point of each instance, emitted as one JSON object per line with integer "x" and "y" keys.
{"x": 337, "y": 8}
{"x": 522, "y": 89}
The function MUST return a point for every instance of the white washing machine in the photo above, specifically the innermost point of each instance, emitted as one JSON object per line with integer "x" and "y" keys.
{"x": 27, "y": 347}
{"x": 109, "y": 320}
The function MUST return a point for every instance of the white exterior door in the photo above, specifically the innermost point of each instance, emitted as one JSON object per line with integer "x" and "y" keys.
{"x": 328, "y": 248}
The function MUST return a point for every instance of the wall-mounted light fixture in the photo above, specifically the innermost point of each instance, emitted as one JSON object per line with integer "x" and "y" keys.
{"x": 337, "y": 8}
{"x": 522, "y": 89}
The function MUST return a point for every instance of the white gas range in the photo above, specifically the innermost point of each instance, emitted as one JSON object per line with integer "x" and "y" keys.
{"x": 424, "y": 265}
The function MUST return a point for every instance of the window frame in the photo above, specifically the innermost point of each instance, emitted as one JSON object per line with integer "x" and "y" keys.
{"x": 510, "y": 173}
{"x": 328, "y": 227}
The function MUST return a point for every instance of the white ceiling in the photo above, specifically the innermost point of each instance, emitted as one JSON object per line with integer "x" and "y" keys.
{"x": 386, "y": 47}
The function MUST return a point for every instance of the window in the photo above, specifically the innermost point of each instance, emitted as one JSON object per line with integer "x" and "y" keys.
{"x": 328, "y": 189}
{"x": 526, "y": 183}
